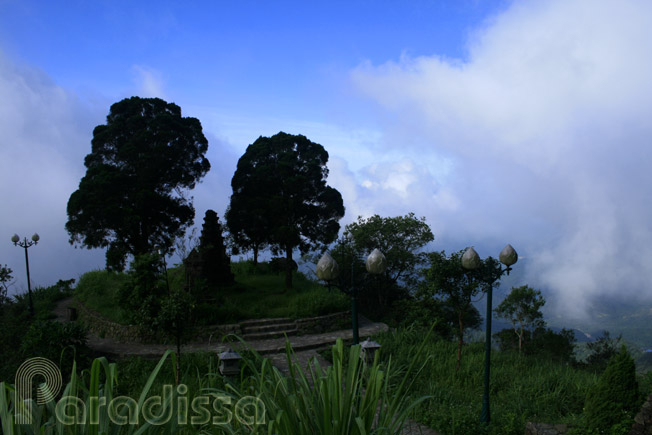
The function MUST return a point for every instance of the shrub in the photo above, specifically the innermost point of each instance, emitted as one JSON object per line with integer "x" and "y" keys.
{"x": 50, "y": 339}
{"x": 616, "y": 396}
{"x": 141, "y": 295}
{"x": 544, "y": 342}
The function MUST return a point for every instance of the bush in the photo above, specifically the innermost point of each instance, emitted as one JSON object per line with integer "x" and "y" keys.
{"x": 277, "y": 265}
{"x": 544, "y": 342}
{"x": 616, "y": 397}
{"x": 140, "y": 297}
{"x": 314, "y": 304}
{"x": 51, "y": 340}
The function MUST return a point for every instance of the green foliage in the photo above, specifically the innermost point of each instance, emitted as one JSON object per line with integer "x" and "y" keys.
{"x": 523, "y": 387}
{"x": 399, "y": 238}
{"x": 131, "y": 198}
{"x": 522, "y": 307}
{"x": 601, "y": 351}
{"x": 176, "y": 319}
{"x": 140, "y": 297}
{"x": 342, "y": 399}
{"x": 5, "y": 282}
{"x": 100, "y": 290}
{"x": 257, "y": 293}
{"x": 16, "y": 323}
{"x": 457, "y": 287}
{"x": 411, "y": 312}
{"x": 616, "y": 396}
{"x": 280, "y": 197}
{"x": 59, "y": 342}
{"x": 542, "y": 342}
{"x": 347, "y": 398}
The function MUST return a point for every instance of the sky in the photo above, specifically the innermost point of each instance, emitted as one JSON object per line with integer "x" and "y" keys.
{"x": 523, "y": 122}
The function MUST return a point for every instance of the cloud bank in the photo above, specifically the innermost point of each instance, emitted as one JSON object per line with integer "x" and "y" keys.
{"x": 46, "y": 133}
{"x": 547, "y": 123}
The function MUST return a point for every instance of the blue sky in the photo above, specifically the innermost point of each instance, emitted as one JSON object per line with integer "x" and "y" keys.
{"x": 501, "y": 122}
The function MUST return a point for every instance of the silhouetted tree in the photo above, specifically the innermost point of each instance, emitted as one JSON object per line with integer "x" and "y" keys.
{"x": 131, "y": 199}
{"x": 601, "y": 351}
{"x": 280, "y": 195}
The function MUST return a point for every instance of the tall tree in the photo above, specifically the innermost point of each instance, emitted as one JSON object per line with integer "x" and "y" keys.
{"x": 400, "y": 239}
{"x": 445, "y": 278}
{"x": 279, "y": 190}
{"x": 522, "y": 307}
{"x": 132, "y": 197}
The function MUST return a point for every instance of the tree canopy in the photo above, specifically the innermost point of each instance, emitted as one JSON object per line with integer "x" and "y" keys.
{"x": 446, "y": 278}
{"x": 280, "y": 197}
{"x": 399, "y": 238}
{"x": 522, "y": 307}
{"x": 132, "y": 197}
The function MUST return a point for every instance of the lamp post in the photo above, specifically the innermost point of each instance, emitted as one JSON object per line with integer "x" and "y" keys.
{"x": 470, "y": 261}
{"x": 328, "y": 270}
{"x": 26, "y": 244}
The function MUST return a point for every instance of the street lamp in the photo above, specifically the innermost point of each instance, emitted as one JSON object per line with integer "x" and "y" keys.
{"x": 26, "y": 244}
{"x": 328, "y": 270}
{"x": 470, "y": 261}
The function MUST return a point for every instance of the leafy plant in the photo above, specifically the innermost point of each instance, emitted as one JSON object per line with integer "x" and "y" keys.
{"x": 5, "y": 282}
{"x": 616, "y": 396}
{"x": 523, "y": 308}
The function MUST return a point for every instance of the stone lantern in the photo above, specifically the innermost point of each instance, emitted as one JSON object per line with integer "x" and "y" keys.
{"x": 229, "y": 363}
{"x": 368, "y": 349}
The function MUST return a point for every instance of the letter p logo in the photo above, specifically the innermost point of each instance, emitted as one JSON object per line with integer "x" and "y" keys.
{"x": 45, "y": 392}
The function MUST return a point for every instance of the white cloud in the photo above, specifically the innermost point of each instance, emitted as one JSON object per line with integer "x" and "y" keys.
{"x": 149, "y": 82}
{"x": 46, "y": 133}
{"x": 548, "y": 124}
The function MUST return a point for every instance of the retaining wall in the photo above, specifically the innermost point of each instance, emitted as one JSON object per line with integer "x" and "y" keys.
{"x": 102, "y": 327}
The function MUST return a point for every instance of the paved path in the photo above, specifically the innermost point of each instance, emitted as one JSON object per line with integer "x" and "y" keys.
{"x": 305, "y": 349}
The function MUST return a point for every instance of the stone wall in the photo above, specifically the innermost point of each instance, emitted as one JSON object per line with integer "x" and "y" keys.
{"x": 329, "y": 322}
{"x": 643, "y": 420}
{"x": 102, "y": 327}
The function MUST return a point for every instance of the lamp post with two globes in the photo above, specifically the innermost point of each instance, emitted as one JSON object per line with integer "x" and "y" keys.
{"x": 328, "y": 270}
{"x": 26, "y": 244}
{"x": 470, "y": 261}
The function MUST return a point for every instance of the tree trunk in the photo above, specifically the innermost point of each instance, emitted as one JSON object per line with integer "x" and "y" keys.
{"x": 255, "y": 255}
{"x": 288, "y": 267}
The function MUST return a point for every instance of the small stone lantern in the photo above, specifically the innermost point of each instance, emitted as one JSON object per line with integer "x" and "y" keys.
{"x": 368, "y": 349}
{"x": 229, "y": 363}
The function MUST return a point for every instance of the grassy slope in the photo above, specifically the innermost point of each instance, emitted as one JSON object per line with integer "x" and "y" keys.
{"x": 256, "y": 294}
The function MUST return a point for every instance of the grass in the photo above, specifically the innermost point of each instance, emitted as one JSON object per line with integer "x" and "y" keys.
{"x": 257, "y": 293}
{"x": 522, "y": 388}
{"x": 347, "y": 398}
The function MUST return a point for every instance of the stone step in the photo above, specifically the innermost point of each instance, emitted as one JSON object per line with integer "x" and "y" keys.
{"x": 272, "y": 334}
{"x": 278, "y": 327}
{"x": 263, "y": 322}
